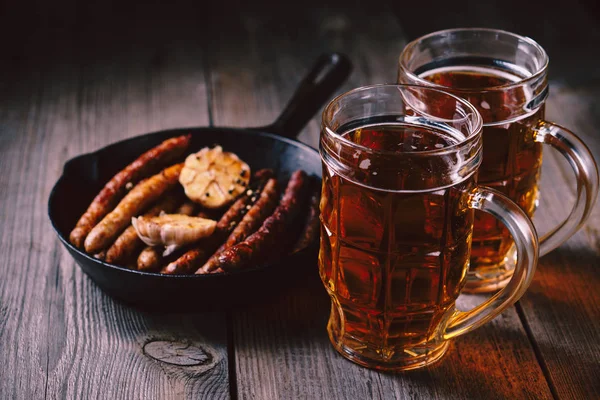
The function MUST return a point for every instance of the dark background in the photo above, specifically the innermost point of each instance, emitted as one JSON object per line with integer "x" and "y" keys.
{"x": 35, "y": 34}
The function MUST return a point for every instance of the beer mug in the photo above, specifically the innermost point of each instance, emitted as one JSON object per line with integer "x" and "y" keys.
{"x": 505, "y": 76}
{"x": 399, "y": 192}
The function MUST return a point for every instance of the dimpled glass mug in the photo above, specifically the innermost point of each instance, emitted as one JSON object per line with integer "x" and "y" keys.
{"x": 399, "y": 190}
{"x": 505, "y": 77}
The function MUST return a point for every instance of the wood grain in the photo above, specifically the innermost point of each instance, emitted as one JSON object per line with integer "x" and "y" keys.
{"x": 103, "y": 79}
{"x": 562, "y": 306}
{"x": 561, "y": 310}
{"x": 76, "y": 77}
{"x": 286, "y": 342}
{"x": 281, "y": 348}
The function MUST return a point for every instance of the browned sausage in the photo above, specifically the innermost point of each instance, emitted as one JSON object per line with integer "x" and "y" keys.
{"x": 273, "y": 231}
{"x": 150, "y": 259}
{"x": 140, "y": 197}
{"x": 193, "y": 259}
{"x": 128, "y": 244}
{"x": 311, "y": 226}
{"x": 204, "y": 214}
{"x": 261, "y": 209}
{"x": 145, "y": 165}
{"x": 187, "y": 208}
{"x": 125, "y": 246}
{"x": 261, "y": 176}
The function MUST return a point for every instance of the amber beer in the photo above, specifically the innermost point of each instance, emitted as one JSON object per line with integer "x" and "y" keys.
{"x": 399, "y": 191}
{"x": 505, "y": 77}
{"x": 394, "y": 260}
{"x": 512, "y": 159}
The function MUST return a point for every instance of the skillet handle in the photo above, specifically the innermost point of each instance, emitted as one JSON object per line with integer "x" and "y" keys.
{"x": 317, "y": 87}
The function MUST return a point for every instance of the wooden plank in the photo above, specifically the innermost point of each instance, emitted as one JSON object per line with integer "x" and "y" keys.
{"x": 61, "y": 337}
{"x": 281, "y": 347}
{"x": 561, "y": 309}
{"x": 277, "y": 52}
{"x": 562, "y": 306}
{"x": 282, "y": 351}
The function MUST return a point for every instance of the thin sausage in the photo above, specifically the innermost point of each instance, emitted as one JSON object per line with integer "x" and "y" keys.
{"x": 187, "y": 208}
{"x": 150, "y": 259}
{"x": 128, "y": 244}
{"x": 273, "y": 231}
{"x": 140, "y": 197}
{"x": 144, "y": 166}
{"x": 258, "y": 180}
{"x": 311, "y": 226}
{"x": 261, "y": 209}
{"x": 193, "y": 259}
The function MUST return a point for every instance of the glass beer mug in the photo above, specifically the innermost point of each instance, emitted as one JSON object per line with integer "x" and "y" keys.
{"x": 399, "y": 192}
{"x": 505, "y": 76}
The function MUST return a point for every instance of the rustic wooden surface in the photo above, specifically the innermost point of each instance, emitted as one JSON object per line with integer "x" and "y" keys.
{"x": 76, "y": 78}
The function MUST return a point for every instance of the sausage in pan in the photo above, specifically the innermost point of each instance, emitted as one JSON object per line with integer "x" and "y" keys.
{"x": 261, "y": 209}
{"x": 311, "y": 226}
{"x": 195, "y": 257}
{"x": 257, "y": 245}
{"x": 187, "y": 208}
{"x": 145, "y": 165}
{"x": 128, "y": 244}
{"x": 150, "y": 259}
{"x": 142, "y": 195}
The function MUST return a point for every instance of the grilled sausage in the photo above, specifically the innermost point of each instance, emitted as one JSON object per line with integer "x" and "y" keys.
{"x": 261, "y": 176}
{"x": 142, "y": 195}
{"x": 144, "y": 166}
{"x": 187, "y": 208}
{"x": 258, "y": 180}
{"x": 150, "y": 259}
{"x": 193, "y": 259}
{"x": 272, "y": 231}
{"x": 128, "y": 244}
{"x": 311, "y": 226}
{"x": 261, "y": 209}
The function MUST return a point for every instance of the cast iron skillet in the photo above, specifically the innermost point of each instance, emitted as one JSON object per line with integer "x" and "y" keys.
{"x": 267, "y": 147}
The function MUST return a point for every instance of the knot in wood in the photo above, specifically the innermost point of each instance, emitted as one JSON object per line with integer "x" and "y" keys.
{"x": 177, "y": 353}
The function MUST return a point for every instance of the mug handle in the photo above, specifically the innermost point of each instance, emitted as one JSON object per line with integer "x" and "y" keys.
{"x": 586, "y": 171}
{"x": 527, "y": 246}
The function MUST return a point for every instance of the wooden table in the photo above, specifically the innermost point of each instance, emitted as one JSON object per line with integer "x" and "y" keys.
{"x": 77, "y": 76}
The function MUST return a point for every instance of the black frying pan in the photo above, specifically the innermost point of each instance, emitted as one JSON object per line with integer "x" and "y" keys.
{"x": 267, "y": 147}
